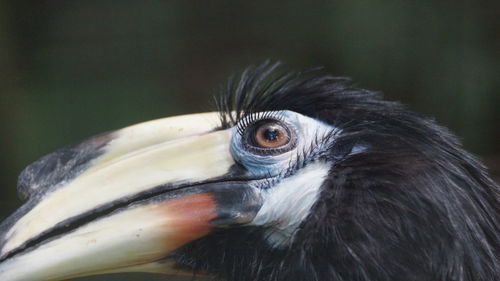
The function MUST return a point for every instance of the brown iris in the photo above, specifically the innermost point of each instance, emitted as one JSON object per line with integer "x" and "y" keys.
{"x": 270, "y": 135}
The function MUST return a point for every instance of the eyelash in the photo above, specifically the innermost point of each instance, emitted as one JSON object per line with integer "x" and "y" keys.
{"x": 252, "y": 118}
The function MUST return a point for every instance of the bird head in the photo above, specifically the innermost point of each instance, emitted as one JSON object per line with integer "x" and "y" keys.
{"x": 293, "y": 178}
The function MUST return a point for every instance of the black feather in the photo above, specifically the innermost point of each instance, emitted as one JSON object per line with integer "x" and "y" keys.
{"x": 414, "y": 206}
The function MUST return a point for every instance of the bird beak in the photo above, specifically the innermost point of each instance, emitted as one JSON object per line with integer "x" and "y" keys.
{"x": 123, "y": 201}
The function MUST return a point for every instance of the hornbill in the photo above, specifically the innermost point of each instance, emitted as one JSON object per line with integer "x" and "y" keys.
{"x": 298, "y": 176}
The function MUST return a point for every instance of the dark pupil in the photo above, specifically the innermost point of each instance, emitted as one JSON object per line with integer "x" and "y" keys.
{"x": 271, "y": 134}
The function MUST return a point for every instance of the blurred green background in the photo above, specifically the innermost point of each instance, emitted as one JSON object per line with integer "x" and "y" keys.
{"x": 72, "y": 69}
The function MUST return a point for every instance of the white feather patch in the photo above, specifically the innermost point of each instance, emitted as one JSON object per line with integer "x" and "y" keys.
{"x": 288, "y": 203}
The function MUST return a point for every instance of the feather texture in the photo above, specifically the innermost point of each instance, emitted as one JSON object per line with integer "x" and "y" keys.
{"x": 413, "y": 205}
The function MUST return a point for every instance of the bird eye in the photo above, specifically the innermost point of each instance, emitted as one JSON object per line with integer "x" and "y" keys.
{"x": 270, "y": 135}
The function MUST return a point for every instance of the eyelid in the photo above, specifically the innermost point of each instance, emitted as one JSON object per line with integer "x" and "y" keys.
{"x": 252, "y": 120}
{"x": 254, "y": 117}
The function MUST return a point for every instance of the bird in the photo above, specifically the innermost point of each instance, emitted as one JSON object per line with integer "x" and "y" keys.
{"x": 297, "y": 176}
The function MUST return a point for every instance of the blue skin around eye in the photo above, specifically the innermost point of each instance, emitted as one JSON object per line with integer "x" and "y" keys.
{"x": 256, "y": 165}
{"x": 260, "y": 165}
{"x": 264, "y": 166}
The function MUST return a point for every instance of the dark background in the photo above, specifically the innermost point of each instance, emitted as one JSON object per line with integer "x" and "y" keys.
{"x": 72, "y": 69}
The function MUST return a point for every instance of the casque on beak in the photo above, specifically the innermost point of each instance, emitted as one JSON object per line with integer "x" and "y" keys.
{"x": 124, "y": 200}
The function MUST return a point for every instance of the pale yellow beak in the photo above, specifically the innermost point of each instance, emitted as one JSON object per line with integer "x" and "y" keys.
{"x": 124, "y": 202}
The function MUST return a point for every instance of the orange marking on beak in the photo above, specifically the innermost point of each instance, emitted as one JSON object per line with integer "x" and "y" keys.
{"x": 189, "y": 218}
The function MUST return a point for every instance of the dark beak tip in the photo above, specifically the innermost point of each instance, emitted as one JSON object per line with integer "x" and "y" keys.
{"x": 61, "y": 165}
